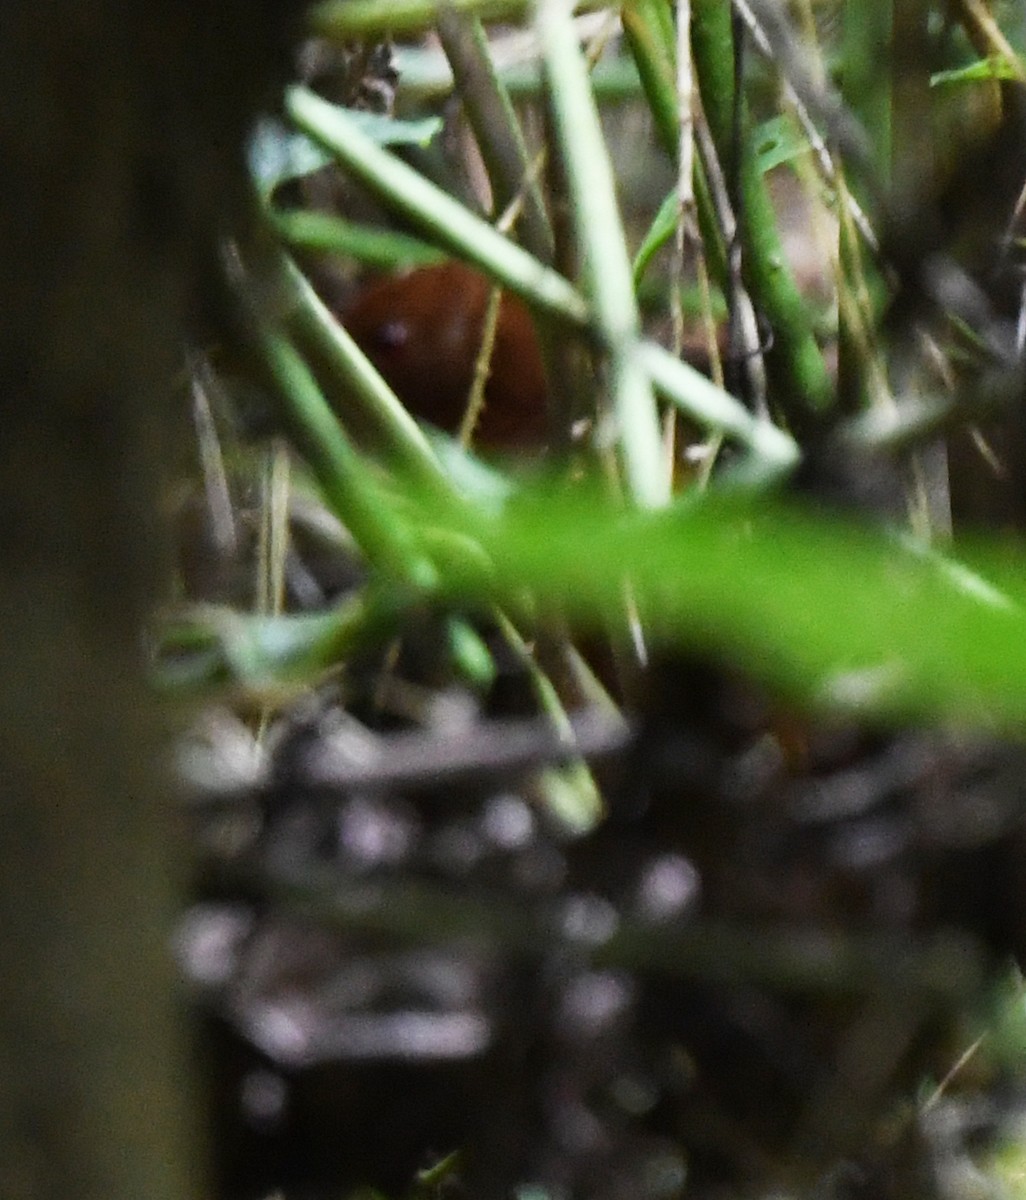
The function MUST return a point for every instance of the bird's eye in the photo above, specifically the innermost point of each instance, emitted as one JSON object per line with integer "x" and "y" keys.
{"x": 392, "y": 335}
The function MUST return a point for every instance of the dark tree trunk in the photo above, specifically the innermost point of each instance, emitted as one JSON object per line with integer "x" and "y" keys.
{"x": 119, "y": 133}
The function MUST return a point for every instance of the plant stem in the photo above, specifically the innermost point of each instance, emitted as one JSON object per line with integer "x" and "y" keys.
{"x": 401, "y": 439}
{"x": 800, "y": 383}
{"x": 348, "y": 487}
{"x": 494, "y": 122}
{"x": 606, "y": 263}
{"x": 713, "y": 408}
{"x": 345, "y": 19}
{"x": 448, "y": 221}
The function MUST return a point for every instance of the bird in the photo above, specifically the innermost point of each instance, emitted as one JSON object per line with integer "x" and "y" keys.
{"x": 423, "y": 329}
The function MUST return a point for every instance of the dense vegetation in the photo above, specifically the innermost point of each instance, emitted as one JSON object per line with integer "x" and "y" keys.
{"x": 599, "y": 572}
{"x": 666, "y": 684}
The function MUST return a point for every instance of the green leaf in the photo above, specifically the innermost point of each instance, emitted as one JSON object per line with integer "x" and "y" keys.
{"x": 659, "y": 233}
{"x": 431, "y": 1180}
{"x": 278, "y": 153}
{"x": 390, "y": 131}
{"x": 779, "y": 140}
{"x": 261, "y": 655}
{"x": 383, "y": 249}
{"x": 983, "y": 70}
{"x": 470, "y": 655}
{"x": 833, "y": 614}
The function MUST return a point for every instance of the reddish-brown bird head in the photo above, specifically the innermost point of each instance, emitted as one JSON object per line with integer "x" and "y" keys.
{"x": 423, "y": 332}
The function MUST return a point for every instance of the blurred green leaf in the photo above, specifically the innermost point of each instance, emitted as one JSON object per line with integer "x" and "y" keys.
{"x": 469, "y": 653}
{"x": 658, "y": 234}
{"x": 391, "y": 131}
{"x": 383, "y": 249}
{"x": 213, "y": 646}
{"x": 779, "y": 140}
{"x": 835, "y": 614}
{"x": 278, "y": 153}
{"x": 983, "y": 70}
